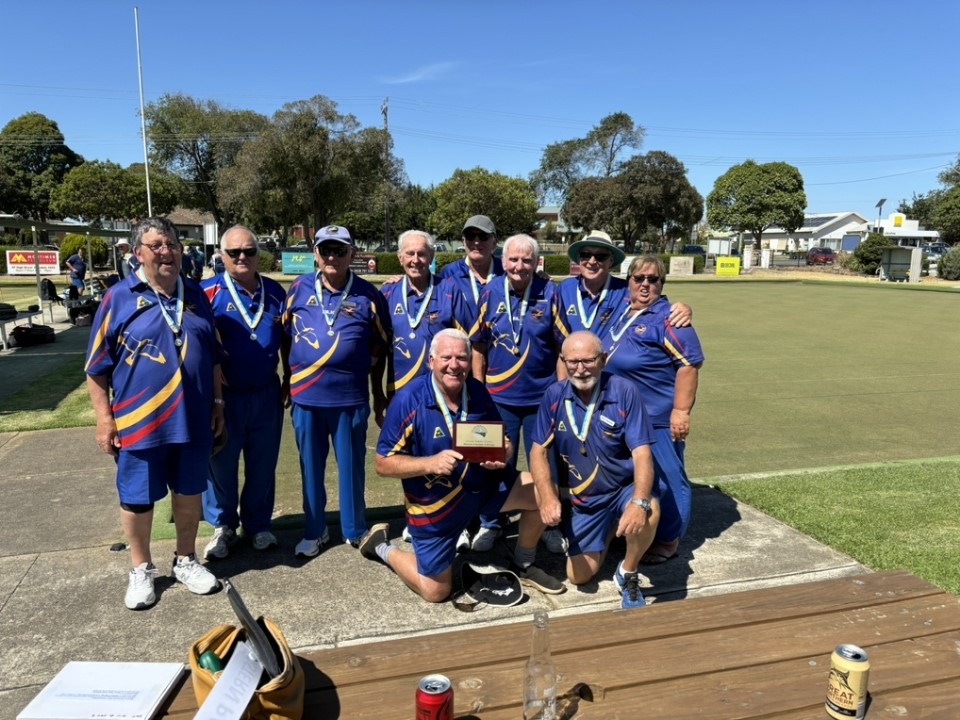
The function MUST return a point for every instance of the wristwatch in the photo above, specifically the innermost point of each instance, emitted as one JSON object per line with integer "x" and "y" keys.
{"x": 644, "y": 503}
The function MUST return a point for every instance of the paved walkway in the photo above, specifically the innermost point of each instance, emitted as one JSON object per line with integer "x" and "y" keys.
{"x": 61, "y": 588}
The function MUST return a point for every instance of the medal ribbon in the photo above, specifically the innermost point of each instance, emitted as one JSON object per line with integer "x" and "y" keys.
{"x": 588, "y": 322}
{"x": 447, "y": 418}
{"x": 330, "y": 316}
{"x": 415, "y": 322}
{"x": 241, "y": 306}
{"x": 581, "y": 434}
{"x": 473, "y": 280}
{"x": 174, "y": 323}
{"x": 617, "y": 335}
{"x": 524, "y": 303}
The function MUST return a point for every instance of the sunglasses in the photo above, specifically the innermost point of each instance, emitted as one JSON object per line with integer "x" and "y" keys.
{"x": 476, "y": 236}
{"x": 591, "y": 255}
{"x": 235, "y": 253}
{"x": 652, "y": 279}
{"x": 337, "y": 250}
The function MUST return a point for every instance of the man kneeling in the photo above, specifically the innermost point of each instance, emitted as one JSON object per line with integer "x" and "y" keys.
{"x": 599, "y": 426}
{"x": 443, "y": 493}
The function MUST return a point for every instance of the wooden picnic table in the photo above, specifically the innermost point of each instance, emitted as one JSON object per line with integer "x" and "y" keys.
{"x": 755, "y": 654}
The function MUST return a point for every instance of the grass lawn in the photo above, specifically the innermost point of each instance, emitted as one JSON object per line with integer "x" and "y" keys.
{"x": 798, "y": 376}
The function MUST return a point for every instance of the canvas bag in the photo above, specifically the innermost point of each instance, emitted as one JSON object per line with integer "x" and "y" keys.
{"x": 278, "y": 699}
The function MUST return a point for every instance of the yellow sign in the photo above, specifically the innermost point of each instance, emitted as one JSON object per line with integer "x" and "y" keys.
{"x": 728, "y": 266}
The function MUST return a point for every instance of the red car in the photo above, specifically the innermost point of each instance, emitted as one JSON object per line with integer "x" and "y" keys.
{"x": 821, "y": 256}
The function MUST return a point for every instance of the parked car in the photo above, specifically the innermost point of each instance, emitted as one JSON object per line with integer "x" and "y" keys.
{"x": 694, "y": 250}
{"x": 821, "y": 256}
{"x": 935, "y": 251}
{"x": 440, "y": 247}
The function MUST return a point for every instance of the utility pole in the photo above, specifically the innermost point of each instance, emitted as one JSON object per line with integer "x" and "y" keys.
{"x": 385, "y": 109}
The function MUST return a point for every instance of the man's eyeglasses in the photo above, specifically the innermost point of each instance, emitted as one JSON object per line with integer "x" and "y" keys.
{"x": 337, "y": 250}
{"x": 591, "y": 255}
{"x": 588, "y": 363}
{"x": 157, "y": 248}
{"x": 475, "y": 236}
{"x": 235, "y": 253}
{"x": 652, "y": 279}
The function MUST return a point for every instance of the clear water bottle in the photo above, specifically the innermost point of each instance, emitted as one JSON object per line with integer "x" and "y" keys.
{"x": 540, "y": 677}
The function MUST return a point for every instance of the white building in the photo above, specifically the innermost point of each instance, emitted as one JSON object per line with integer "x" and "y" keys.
{"x": 817, "y": 230}
{"x": 900, "y": 231}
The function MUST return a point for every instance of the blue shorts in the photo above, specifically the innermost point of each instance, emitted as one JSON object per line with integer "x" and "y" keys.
{"x": 588, "y": 529}
{"x": 437, "y": 550}
{"x": 143, "y": 476}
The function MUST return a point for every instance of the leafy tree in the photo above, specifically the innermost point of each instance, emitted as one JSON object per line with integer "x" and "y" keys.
{"x": 921, "y": 207}
{"x": 309, "y": 165}
{"x": 868, "y": 254}
{"x": 33, "y": 161}
{"x": 596, "y": 155}
{"x": 946, "y": 214}
{"x": 509, "y": 202}
{"x": 97, "y": 191}
{"x": 649, "y": 197}
{"x": 661, "y": 196}
{"x": 99, "y": 248}
{"x": 194, "y": 139}
{"x": 949, "y": 266}
{"x": 751, "y": 198}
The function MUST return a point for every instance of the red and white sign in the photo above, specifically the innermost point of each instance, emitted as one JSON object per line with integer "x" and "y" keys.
{"x": 23, "y": 262}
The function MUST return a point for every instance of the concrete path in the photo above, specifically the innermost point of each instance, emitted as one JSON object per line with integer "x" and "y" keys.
{"x": 61, "y": 588}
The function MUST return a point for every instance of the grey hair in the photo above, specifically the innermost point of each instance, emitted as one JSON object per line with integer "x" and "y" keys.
{"x": 415, "y": 233}
{"x": 160, "y": 224}
{"x": 524, "y": 240}
{"x": 245, "y": 229}
{"x": 452, "y": 333}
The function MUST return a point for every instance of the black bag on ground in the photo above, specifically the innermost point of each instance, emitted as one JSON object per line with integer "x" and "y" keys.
{"x": 7, "y": 311}
{"x": 28, "y": 335}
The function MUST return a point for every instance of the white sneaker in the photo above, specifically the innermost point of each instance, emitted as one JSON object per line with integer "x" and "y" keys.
{"x": 407, "y": 537}
{"x": 140, "y": 593}
{"x": 311, "y": 548}
{"x": 195, "y": 576}
{"x": 264, "y": 540}
{"x": 484, "y": 539}
{"x": 555, "y": 541}
{"x": 219, "y": 546}
{"x": 463, "y": 542}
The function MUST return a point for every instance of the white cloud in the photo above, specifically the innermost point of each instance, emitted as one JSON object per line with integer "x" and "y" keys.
{"x": 427, "y": 72}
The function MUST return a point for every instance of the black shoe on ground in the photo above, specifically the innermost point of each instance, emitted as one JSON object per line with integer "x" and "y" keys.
{"x": 371, "y": 541}
{"x": 534, "y": 577}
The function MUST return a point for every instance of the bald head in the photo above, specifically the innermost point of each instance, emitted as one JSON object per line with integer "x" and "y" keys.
{"x": 584, "y": 341}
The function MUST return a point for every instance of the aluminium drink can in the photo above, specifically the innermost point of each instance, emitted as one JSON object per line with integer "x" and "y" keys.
{"x": 847, "y": 685}
{"x": 434, "y": 698}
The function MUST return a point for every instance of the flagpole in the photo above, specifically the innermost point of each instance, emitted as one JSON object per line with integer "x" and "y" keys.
{"x": 143, "y": 121}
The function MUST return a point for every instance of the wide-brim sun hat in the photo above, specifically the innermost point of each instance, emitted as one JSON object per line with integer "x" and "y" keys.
{"x": 598, "y": 239}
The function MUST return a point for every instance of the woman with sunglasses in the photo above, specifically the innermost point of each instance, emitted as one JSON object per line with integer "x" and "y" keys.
{"x": 664, "y": 361}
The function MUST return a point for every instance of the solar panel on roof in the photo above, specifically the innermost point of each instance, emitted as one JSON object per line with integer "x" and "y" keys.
{"x": 818, "y": 221}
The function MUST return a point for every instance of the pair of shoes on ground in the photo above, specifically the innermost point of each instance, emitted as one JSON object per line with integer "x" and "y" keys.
{"x": 140, "y": 585}
{"x": 629, "y": 586}
{"x": 312, "y": 548}
{"x": 484, "y": 539}
{"x": 225, "y": 538}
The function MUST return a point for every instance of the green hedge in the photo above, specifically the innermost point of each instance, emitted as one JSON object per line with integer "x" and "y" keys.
{"x": 557, "y": 265}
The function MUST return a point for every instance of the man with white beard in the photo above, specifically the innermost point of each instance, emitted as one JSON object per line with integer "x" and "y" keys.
{"x": 599, "y": 426}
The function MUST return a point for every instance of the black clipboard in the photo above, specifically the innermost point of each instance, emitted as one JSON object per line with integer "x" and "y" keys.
{"x": 259, "y": 642}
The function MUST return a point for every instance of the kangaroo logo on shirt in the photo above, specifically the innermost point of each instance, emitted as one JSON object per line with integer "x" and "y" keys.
{"x": 142, "y": 303}
{"x": 561, "y": 427}
{"x": 230, "y": 307}
{"x": 398, "y": 310}
{"x": 640, "y": 329}
{"x": 312, "y": 300}
{"x": 438, "y": 433}
{"x": 571, "y": 310}
{"x": 501, "y": 308}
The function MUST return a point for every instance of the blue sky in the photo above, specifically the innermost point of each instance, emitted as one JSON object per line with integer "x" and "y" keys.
{"x": 858, "y": 95}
